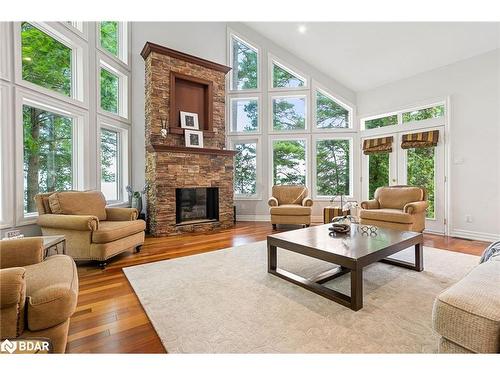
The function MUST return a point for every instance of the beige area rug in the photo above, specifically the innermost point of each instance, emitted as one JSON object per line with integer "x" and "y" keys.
{"x": 226, "y": 302}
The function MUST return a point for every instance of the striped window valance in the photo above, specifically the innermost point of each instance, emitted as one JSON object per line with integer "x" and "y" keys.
{"x": 423, "y": 139}
{"x": 376, "y": 145}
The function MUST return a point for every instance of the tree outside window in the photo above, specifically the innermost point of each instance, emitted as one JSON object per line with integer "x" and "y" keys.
{"x": 245, "y": 60}
{"x": 245, "y": 171}
{"x": 48, "y": 153}
{"x": 423, "y": 114}
{"x": 289, "y": 162}
{"x": 110, "y": 88}
{"x": 109, "y": 164}
{"x": 283, "y": 78}
{"x": 289, "y": 113}
{"x": 381, "y": 122}
{"x": 46, "y": 62}
{"x": 110, "y": 37}
{"x": 332, "y": 167}
{"x": 330, "y": 114}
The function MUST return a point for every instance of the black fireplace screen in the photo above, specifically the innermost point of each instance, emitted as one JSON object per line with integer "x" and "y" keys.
{"x": 196, "y": 204}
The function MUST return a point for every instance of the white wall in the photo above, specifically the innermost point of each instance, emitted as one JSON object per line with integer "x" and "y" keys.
{"x": 473, "y": 86}
{"x": 209, "y": 41}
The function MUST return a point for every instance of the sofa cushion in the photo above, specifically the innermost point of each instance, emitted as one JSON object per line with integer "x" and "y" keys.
{"x": 52, "y": 291}
{"x": 114, "y": 230}
{"x": 387, "y": 214}
{"x": 79, "y": 203}
{"x": 290, "y": 210}
{"x": 397, "y": 197}
{"x": 468, "y": 313}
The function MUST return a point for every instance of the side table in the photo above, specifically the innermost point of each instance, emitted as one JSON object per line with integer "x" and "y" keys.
{"x": 330, "y": 212}
{"x": 52, "y": 242}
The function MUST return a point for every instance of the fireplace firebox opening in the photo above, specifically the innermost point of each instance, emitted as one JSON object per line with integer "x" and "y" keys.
{"x": 196, "y": 205}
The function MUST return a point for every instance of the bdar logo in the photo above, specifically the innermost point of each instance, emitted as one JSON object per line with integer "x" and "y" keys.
{"x": 8, "y": 346}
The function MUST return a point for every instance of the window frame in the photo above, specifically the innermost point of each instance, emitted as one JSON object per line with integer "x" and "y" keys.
{"x": 352, "y": 162}
{"x": 233, "y": 34}
{"x": 316, "y": 87}
{"x": 5, "y": 51}
{"x": 80, "y": 28}
{"x": 124, "y": 89}
{"x": 7, "y": 216}
{"x": 273, "y": 60}
{"x": 288, "y": 94}
{"x": 124, "y": 45}
{"x": 233, "y": 141}
{"x": 244, "y": 96}
{"x": 79, "y": 68}
{"x": 290, "y": 137}
{"x": 124, "y": 147}
{"x": 80, "y": 151}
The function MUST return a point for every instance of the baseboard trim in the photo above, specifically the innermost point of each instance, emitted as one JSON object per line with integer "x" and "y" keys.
{"x": 473, "y": 235}
{"x": 253, "y": 217}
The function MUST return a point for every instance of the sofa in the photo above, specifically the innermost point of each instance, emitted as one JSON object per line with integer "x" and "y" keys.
{"x": 38, "y": 296}
{"x": 290, "y": 204}
{"x": 467, "y": 315}
{"x": 92, "y": 230}
{"x": 399, "y": 207}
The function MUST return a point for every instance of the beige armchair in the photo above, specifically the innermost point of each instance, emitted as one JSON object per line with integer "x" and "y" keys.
{"x": 290, "y": 205}
{"x": 92, "y": 230}
{"x": 37, "y": 297}
{"x": 397, "y": 207}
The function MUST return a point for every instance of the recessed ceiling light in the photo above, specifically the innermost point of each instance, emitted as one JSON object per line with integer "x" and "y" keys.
{"x": 302, "y": 29}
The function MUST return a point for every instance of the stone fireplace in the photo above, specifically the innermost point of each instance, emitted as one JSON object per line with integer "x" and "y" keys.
{"x": 189, "y": 189}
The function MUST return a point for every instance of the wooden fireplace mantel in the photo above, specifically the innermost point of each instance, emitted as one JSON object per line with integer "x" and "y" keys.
{"x": 189, "y": 150}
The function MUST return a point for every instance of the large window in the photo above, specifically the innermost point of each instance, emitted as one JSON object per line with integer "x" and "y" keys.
{"x": 245, "y": 60}
{"x": 381, "y": 122}
{"x": 424, "y": 114}
{"x": 110, "y": 37}
{"x": 110, "y": 167}
{"x": 329, "y": 113}
{"x": 289, "y": 162}
{"x": 289, "y": 113}
{"x": 244, "y": 115}
{"x": 110, "y": 91}
{"x": 46, "y": 61}
{"x": 245, "y": 170}
{"x": 333, "y": 161}
{"x": 48, "y": 153}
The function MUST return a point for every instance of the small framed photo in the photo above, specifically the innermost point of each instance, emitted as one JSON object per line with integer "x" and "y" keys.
{"x": 194, "y": 138}
{"x": 189, "y": 120}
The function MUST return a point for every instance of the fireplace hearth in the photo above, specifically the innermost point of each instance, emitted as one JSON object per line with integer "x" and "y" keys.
{"x": 196, "y": 205}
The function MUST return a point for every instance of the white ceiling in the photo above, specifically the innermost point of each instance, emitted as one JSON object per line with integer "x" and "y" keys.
{"x": 366, "y": 55}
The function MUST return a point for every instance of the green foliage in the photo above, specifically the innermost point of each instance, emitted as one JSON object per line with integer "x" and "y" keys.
{"x": 420, "y": 172}
{"x": 245, "y": 73}
{"x": 329, "y": 114}
{"x": 381, "y": 122}
{"x": 283, "y": 78}
{"x": 289, "y": 162}
{"x": 423, "y": 114}
{"x": 109, "y": 37}
{"x": 109, "y": 91}
{"x": 109, "y": 155}
{"x": 245, "y": 175}
{"x": 378, "y": 172}
{"x": 288, "y": 114}
{"x": 332, "y": 165}
{"x": 48, "y": 146}
{"x": 45, "y": 61}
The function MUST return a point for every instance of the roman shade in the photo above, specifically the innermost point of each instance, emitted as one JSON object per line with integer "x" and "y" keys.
{"x": 418, "y": 140}
{"x": 377, "y": 145}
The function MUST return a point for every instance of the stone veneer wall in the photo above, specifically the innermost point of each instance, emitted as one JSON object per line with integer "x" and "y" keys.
{"x": 165, "y": 170}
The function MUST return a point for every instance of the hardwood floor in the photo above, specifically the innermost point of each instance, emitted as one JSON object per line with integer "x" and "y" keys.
{"x": 109, "y": 317}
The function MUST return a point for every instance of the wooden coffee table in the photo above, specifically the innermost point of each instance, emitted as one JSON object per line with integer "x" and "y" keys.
{"x": 351, "y": 252}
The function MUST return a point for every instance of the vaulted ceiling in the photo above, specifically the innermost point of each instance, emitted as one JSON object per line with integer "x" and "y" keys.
{"x": 365, "y": 55}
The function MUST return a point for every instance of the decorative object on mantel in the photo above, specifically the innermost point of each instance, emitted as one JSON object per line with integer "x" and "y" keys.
{"x": 189, "y": 120}
{"x": 164, "y": 129}
{"x": 194, "y": 138}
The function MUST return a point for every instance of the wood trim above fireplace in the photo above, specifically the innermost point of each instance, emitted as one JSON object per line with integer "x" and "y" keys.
{"x": 189, "y": 150}
{"x": 152, "y": 47}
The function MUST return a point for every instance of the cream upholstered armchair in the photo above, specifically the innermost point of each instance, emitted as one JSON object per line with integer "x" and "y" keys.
{"x": 92, "y": 230}
{"x": 290, "y": 205}
{"x": 398, "y": 207}
{"x": 38, "y": 296}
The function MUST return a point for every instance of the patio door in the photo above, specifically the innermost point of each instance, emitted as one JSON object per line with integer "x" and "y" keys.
{"x": 417, "y": 166}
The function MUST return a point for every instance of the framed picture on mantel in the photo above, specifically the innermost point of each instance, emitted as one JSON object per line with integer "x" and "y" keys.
{"x": 194, "y": 138}
{"x": 189, "y": 120}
